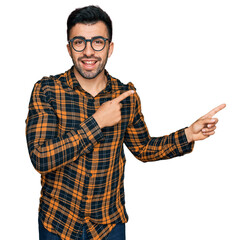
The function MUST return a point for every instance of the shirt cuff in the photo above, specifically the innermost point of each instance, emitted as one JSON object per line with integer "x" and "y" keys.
{"x": 181, "y": 142}
{"x": 90, "y": 133}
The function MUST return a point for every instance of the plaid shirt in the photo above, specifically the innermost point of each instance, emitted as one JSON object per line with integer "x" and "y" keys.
{"x": 82, "y": 166}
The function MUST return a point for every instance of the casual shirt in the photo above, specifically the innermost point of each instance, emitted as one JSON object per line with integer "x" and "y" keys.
{"x": 81, "y": 165}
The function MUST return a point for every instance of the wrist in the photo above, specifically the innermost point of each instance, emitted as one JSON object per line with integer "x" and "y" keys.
{"x": 189, "y": 135}
{"x": 99, "y": 122}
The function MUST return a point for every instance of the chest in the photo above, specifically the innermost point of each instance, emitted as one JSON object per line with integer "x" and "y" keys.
{"x": 72, "y": 109}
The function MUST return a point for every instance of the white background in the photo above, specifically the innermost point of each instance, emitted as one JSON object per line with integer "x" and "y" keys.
{"x": 184, "y": 58}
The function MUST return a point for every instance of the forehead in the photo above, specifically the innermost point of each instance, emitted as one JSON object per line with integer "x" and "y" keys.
{"x": 89, "y": 30}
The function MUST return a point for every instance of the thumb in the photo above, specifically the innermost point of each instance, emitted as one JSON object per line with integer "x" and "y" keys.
{"x": 203, "y": 123}
{"x": 206, "y": 123}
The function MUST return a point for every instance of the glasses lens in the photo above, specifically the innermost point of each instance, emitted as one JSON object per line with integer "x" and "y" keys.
{"x": 78, "y": 44}
{"x": 98, "y": 44}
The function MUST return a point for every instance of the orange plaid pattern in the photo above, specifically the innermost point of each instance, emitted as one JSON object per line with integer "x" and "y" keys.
{"x": 82, "y": 166}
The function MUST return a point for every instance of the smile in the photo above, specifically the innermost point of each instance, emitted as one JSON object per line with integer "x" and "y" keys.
{"x": 89, "y": 62}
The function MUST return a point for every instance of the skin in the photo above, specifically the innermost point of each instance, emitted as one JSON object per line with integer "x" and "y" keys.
{"x": 204, "y": 126}
{"x": 92, "y": 78}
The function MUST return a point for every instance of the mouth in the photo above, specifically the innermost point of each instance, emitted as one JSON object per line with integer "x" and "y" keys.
{"x": 89, "y": 64}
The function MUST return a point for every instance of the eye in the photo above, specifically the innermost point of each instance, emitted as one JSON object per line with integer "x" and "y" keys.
{"x": 78, "y": 42}
{"x": 98, "y": 41}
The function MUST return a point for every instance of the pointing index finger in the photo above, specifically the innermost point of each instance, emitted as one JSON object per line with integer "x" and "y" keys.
{"x": 214, "y": 111}
{"x": 123, "y": 96}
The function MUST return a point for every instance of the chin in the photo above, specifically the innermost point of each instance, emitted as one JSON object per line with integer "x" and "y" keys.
{"x": 89, "y": 75}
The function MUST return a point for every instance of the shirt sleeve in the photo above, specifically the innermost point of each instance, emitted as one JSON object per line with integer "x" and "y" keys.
{"x": 147, "y": 148}
{"x": 49, "y": 151}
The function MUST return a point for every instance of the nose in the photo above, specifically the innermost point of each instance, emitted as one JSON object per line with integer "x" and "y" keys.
{"x": 88, "y": 51}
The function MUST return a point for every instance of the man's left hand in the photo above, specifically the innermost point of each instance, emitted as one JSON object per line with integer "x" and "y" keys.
{"x": 204, "y": 126}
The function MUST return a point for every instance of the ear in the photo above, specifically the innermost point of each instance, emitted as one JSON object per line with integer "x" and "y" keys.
{"x": 110, "y": 49}
{"x": 69, "y": 49}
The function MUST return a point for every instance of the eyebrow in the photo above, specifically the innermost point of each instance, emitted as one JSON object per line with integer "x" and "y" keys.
{"x": 89, "y": 38}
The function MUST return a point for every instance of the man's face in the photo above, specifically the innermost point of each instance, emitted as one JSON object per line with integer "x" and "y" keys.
{"x": 90, "y": 63}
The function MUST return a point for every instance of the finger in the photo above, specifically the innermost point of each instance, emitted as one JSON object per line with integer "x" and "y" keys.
{"x": 214, "y": 111}
{"x": 208, "y": 133}
{"x": 211, "y": 125}
{"x": 123, "y": 96}
{"x": 208, "y": 121}
{"x": 207, "y": 130}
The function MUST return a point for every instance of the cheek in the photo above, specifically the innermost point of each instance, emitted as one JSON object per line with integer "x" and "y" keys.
{"x": 74, "y": 56}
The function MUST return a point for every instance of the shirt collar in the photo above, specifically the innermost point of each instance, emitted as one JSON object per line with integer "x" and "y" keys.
{"x": 74, "y": 84}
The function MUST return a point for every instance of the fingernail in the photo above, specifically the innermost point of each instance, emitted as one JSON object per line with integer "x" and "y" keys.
{"x": 132, "y": 91}
{"x": 212, "y": 120}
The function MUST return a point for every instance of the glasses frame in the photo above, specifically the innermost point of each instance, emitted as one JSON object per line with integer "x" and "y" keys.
{"x": 88, "y": 40}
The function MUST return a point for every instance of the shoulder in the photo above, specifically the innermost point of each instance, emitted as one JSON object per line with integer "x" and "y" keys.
{"x": 49, "y": 83}
{"x": 117, "y": 85}
{"x": 121, "y": 87}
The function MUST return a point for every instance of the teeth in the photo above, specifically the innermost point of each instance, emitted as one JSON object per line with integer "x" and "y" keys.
{"x": 89, "y": 62}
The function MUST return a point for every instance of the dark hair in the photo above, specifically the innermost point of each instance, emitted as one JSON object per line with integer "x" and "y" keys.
{"x": 90, "y": 14}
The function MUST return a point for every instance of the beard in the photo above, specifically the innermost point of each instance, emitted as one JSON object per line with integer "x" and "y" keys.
{"x": 90, "y": 74}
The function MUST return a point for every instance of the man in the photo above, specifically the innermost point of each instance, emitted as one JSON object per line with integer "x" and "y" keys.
{"x": 76, "y": 126}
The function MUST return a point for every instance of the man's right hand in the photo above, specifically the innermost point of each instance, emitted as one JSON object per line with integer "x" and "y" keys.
{"x": 109, "y": 113}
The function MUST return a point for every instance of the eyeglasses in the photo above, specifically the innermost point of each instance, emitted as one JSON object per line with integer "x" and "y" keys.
{"x": 79, "y": 43}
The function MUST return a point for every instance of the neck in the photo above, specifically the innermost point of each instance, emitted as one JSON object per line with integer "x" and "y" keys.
{"x": 94, "y": 85}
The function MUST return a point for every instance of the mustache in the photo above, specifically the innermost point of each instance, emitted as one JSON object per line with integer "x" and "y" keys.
{"x": 89, "y": 57}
